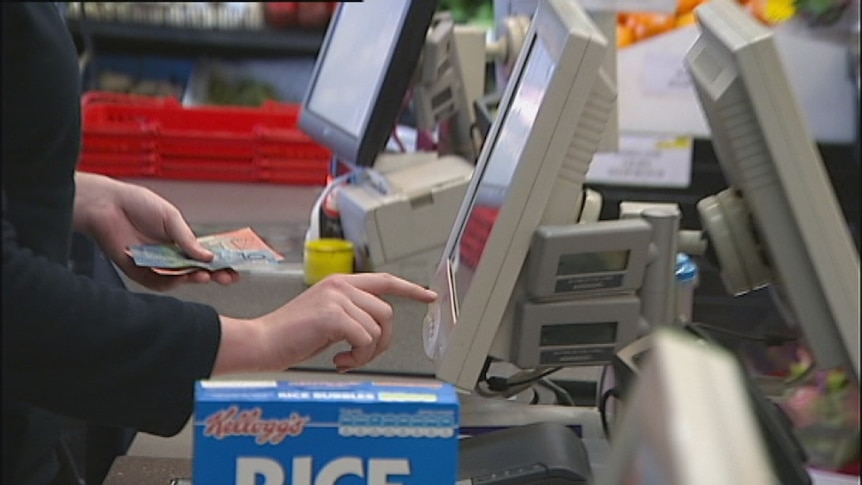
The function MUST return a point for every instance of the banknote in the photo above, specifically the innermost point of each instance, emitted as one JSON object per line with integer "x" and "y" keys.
{"x": 231, "y": 249}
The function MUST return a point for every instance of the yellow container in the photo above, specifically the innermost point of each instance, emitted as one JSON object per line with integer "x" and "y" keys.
{"x": 326, "y": 256}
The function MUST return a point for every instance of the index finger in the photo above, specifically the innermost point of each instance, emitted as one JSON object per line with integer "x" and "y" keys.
{"x": 387, "y": 284}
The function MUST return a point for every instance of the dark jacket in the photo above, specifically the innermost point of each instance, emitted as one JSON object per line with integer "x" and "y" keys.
{"x": 71, "y": 346}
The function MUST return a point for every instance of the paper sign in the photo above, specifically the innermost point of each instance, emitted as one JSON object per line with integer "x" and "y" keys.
{"x": 666, "y": 74}
{"x": 645, "y": 160}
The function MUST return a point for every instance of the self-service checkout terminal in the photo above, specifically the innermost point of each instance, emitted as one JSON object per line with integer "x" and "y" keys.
{"x": 396, "y": 207}
{"x": 587, "y": 291}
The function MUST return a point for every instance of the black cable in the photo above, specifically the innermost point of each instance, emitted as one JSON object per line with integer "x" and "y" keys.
{"x": 610, "y": 393}
{"x": 533, "y": 378}
{"x": 601, "y": 383}
{"x": 502, "y": 384}
{"x": 769, "y": 340}
{"x": 483, "y": 374}
{"x": 535, "y": 399}
{"x": 563, "y": 396}
{"x": 474, "y": 129}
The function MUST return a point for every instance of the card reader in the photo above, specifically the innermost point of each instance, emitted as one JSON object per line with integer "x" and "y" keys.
{"x": 542, "y": 453}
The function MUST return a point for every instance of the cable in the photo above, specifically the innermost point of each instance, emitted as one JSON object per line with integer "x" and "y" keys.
{"x": 503, "y": 393}
{"x": 562, "y": 395}
{"x": 532, "y": 376}
{"x": 477, "y": 147}
{"x": 769, "y": 340}
{"x": 601, "y": 384}
{"x": 314, "y": 228}
{"x": 610, "y": 393}
{"x": 483, "y": 374}
{"x": 405, "y": 102}
{"x": 395, "y": 137}
{"x": 512, "y": 385}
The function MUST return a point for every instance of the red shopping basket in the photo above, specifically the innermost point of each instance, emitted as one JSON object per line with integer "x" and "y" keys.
{"x": 225, "y": 143}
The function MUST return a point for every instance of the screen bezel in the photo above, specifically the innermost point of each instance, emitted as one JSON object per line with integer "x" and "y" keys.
{"x": 797, "y": 217}
{"x": 400, "y": 67}
{"x": 578, "y": 47}
{"x": 687, "y": 391}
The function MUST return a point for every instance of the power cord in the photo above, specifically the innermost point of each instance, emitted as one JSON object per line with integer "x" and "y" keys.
{"x": 498, "y": 386}
{"x": 502, "y": 384}
{"x": 769, "y": 340}
{"x": 563, "y": 396}
{"x": 477, "y": 147}
{"x": 600, "y": 385}
{"x": 395, "y": 136}
{"x": 603, "y": 403}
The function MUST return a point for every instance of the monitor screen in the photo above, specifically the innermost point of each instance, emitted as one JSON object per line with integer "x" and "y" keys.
{"x": 530, "y": 171}
{"x": 499, "y": 170}
{"x": 363, "y": 71}
{"x": 779, "y": 223}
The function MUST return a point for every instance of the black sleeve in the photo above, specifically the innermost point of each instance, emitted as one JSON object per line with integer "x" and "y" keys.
{"x": 99, "y": 353}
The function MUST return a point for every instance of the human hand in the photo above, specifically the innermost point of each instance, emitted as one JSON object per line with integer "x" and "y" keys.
{"x": 340, "y": 308}
{"x": 118, "y": 215}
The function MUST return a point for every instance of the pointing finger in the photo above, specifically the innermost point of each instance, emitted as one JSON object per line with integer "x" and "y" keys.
{"x": 386, "y": 284}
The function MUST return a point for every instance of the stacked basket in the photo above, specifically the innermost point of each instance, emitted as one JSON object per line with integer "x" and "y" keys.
{"x": 142, "y": 136}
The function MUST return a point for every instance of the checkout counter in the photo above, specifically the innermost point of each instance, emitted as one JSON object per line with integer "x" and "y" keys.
{"x": 280, "y": 215}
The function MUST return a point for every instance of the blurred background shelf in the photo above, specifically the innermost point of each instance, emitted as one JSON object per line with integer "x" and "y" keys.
{"x": 157, "y": 48}
{"x": 142, "y": 39}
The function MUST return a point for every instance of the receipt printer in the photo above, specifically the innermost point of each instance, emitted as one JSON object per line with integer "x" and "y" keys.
{"x": 399, "y": 214}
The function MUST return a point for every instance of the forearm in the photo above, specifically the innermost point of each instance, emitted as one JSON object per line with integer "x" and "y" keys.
{"x": 241, "y": 347}
{"x": 94, "y": 352}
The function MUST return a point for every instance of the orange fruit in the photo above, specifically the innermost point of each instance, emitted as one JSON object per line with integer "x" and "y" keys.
{"x": 686, "y": 6}
{"x": 648, "y": 24}
{"x": 757, "y": 8}
{"x": 685, "y": 19}
{"x": 625, "y": 36}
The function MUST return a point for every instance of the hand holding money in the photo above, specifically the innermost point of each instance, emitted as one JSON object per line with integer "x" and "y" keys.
{"x": 235, "y": 249}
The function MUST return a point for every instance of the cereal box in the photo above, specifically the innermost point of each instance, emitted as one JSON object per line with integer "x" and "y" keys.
{"x": 325, "y": 433}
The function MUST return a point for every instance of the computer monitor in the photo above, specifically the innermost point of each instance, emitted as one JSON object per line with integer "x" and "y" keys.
{"x": 362, "y": 73}
{"x": 530, "y": 172}
{"x": 687, "y": 421}
{"x": 779, "y": 224}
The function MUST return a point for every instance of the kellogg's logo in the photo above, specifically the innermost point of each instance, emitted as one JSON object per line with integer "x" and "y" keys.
{"x": 233, "y": 422}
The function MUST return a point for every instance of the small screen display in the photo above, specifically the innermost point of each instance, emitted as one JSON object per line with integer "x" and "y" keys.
{"x": 354, "y": 62}
{"x": 589, "y": 263}
{"x": 501, "y": 166}
{"x": 578, "y": 334}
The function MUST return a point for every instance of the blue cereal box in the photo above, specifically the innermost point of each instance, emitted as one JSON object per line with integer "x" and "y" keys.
{"x": 325, "y": 433}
